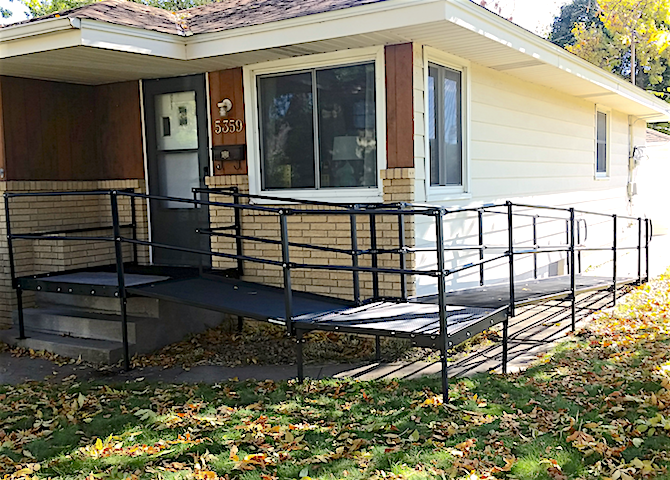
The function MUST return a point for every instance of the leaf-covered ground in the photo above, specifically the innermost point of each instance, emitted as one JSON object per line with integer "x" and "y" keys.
{"x": 597, "y": 407}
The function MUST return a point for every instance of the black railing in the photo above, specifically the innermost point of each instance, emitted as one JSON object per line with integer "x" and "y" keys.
{"x": 373, "y": 212}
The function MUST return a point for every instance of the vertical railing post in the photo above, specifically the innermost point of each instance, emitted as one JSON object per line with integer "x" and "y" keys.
{"x": 123, "y": 302}
{"x": 573, "y": 293}
{"x": 578, "y": 244}
{"x": 511, "y": 311}
{"x": 639, "y": 251}
{"x": 286, "y": 266}
{"x": 535, "y": 246}
{"x": 442, "y": 303}
{"x": 567, "y": 241}
{"x": 402, "y": 256}
{"x": 647, "y": 238}
{"x": 375, "y": 256}
{"x": 480, "y": 224}
{"x": 12, "y": 270}
{"x": 238, "y": 231}
{"x": 510, "y": 241}
{"x": 354, "y": 258}
{"x": 614, "y": 257}
{"x": 133, "y": 216}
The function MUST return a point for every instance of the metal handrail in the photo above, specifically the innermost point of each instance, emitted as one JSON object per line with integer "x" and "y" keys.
{"x": 373, "y": 212}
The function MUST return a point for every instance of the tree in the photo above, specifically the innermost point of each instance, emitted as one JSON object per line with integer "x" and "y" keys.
{"x": 39, "y": 8}
{"x": 582, "y": 12}
{"x": 624, "y": 27}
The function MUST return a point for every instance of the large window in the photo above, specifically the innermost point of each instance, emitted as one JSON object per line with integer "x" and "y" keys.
{"x": 602, "y": 124}
{"x": 445, "y": 129}
{"x": 318, "y": 128}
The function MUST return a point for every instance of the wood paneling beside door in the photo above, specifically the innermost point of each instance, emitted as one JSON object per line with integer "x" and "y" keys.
{"x": 229, "y": 129}
{"x": 399, "y": 106}
{"x": 120, "y": 130}
{"x": 63, "y": 131}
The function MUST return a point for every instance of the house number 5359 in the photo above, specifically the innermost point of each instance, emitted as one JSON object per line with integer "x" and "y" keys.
{"x": 228, "y": 126}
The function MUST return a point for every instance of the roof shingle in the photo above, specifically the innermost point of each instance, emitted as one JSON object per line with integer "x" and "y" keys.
{"x": 214, "y": 17}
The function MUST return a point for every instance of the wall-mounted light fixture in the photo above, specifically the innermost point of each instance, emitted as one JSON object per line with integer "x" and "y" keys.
{"x": 225, "y": 106}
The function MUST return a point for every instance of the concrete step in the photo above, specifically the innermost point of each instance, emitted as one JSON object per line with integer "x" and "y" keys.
{"x": 78, "y": 323}
{"x": 89, "y": 350}
{"x": 136, "y": 306}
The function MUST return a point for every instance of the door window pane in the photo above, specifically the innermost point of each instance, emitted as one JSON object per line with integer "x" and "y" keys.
{"x": 347, "y": 126}
{"x": 287, "y": 131}
{"x": 178, "y": 174}
{"x": 176, "y": 121}
{"x": 444, "y": 116}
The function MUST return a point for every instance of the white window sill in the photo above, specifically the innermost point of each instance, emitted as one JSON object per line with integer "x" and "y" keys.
{"x": 446, "y": 195}
{"x": 334, "y": 195}
{"x": 599, "y": 177}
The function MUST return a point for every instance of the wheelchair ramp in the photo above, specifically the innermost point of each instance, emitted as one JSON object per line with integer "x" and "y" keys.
{"x": 236, "y": 297}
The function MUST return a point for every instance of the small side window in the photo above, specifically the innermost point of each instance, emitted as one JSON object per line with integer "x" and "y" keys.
{"x": 601, "y": 143}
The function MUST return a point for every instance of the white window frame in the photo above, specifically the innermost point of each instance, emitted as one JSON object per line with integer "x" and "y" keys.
{"x": 335, "y": 59}
{"x": 608, "y": 143}
{"x": 443, "y": 59}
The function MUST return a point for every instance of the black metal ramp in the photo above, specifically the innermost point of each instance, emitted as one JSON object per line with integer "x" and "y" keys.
{"x": 236, "y": 297}
{"x": 526, "y": 292}
{"x": 417, "y": 321}
{"x": 92, "y": 283}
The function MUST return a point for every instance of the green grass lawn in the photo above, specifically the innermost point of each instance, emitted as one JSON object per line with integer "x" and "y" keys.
{"x": 597, "y": 407}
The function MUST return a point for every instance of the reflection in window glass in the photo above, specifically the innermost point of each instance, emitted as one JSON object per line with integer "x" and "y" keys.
{"x": 287, "y": 133}
{"x": 347, "y": 135}
{"x": 345, "y": 128}
{"x": 601, "y": 143}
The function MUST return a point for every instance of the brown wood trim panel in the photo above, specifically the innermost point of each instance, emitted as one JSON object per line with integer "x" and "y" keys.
{"x": 120, "y": 130}
{"x": 3, "y": 174}
{"x": 228, "y": 130}
{"x": 399, "y": 105}
{"x": 63, "y": 131}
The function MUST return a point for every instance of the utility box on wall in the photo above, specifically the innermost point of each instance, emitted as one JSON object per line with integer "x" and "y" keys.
{"x": 229, "y": 159}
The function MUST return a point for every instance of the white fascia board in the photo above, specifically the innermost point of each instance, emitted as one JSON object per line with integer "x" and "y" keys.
{"x": 23, "y": 30}
{"x": 382, "y": 16}
{"x": 132, "y": 40}
{"x": 40, "y": 36}
{"x": 477, "y": 19}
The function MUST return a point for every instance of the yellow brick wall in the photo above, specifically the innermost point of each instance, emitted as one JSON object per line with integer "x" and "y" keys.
{"x": 328, "y": 230}
{"x": 33, "y": 214}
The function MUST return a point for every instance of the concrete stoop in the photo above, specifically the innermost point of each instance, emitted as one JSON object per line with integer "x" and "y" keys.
{"x": 89, "y": 328}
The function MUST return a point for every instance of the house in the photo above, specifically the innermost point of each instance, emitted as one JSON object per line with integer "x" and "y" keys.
{"x": 355, "y": 101}
{"x": 654, "y": 168}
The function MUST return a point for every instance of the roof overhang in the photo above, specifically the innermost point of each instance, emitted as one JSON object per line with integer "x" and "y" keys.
{"x": 93, "y": 52}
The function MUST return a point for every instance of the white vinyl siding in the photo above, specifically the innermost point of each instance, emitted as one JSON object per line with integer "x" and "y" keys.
{"x": 530, "y": 144}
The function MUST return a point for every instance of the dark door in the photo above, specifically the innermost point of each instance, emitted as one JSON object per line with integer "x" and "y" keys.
{"x": 178, "y": 160}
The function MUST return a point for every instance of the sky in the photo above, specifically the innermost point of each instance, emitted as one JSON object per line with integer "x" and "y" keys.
{"x": 534, "y": 15}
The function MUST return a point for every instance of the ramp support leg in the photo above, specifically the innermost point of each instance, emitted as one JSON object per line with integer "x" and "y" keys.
{"x": 378, "y": 348}
{"x": 118, "y": 247}
{"x": 240, "y": 324}
{"x": 614, "y": 255}
{"x": 19, "y": 308}
{"x": 573, "y": 293}
{"x": 505, "y": 350}
{"x": 298, "y": 350}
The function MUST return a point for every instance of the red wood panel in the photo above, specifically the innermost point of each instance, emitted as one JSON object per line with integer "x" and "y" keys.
{"x": 62, "y": 131}
{"x": 399, "y": 106}
{"x": 228, "y": 84}
{"x": 120, "y": 130}
{"x": 2, "y": 140}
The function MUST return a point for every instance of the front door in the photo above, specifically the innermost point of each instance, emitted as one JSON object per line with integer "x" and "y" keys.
{"x": 178, "y": 160}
